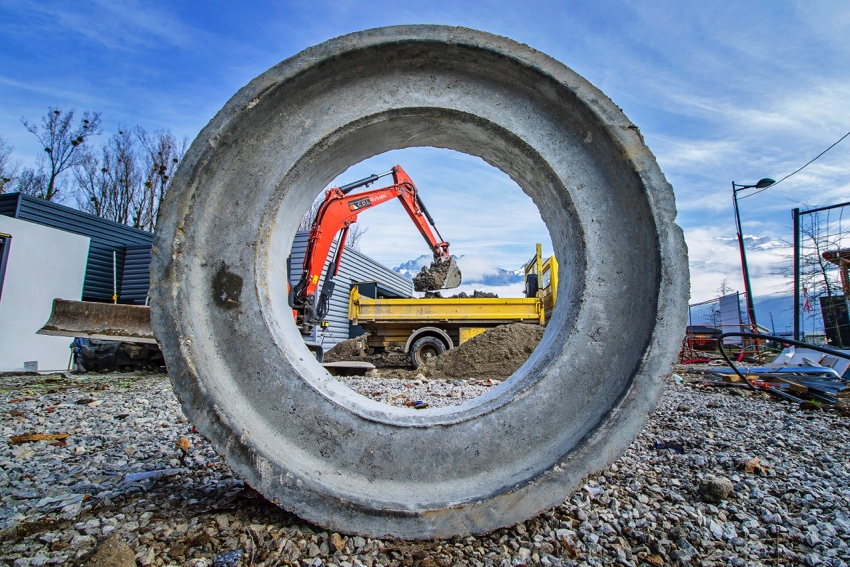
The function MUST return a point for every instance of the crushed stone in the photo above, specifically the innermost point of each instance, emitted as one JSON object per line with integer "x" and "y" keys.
{"x": 60, "y": 501}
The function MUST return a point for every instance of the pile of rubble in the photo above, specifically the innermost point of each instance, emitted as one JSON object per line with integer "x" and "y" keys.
{"x": 495, "y": 354}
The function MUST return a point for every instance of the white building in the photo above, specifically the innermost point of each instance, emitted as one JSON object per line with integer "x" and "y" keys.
{"x": 37, "y": 264}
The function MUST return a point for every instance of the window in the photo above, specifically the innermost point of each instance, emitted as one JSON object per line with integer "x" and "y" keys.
{"x": 5, "y": 242}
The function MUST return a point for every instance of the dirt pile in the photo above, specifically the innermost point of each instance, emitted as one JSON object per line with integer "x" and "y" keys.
{"x": 349, "y": 350}
{"x": 496, "y": 353}
{"x": 346, "y": 350}
{"x": 442, "y": 273}
{"x": 462, "y": 295}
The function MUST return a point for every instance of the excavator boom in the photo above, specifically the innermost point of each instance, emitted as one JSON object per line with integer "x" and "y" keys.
{"x": 337, "y": 213}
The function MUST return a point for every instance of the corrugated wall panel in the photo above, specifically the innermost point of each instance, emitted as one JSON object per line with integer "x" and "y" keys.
{"x": 9, "y": 204}
{"x": 106, "y": 237}
{"x": 136, "y": 276}
{"x": 133, "y": 260}
{"x": 355, "y": 267}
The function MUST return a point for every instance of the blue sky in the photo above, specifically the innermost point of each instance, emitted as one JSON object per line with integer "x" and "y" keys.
{"x": 721, "y": 91}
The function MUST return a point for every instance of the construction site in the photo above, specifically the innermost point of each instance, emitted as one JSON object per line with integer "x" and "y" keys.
{"x": 246, "y": 388}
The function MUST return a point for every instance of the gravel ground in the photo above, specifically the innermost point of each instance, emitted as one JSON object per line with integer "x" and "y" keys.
{"x": 414, "y": 390}
{"x": 62, "y": 498}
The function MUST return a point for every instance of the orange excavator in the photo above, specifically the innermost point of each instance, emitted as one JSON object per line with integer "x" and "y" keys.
{"x": 339, "y": 210}
{"x": 337, "y": 213}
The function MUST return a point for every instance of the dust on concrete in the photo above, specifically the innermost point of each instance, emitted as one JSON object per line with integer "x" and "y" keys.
{"x": 496, "y": 353}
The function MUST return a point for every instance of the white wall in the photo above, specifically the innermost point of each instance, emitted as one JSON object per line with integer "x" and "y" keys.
{"x": 43, "y": 263}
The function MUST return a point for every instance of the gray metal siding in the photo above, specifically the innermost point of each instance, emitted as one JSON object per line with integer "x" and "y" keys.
{"x": 9, "y": 204}
{"x": 136, "y": 278}
{"x": 355, "y": 267}
{"x": 106, "y": 237}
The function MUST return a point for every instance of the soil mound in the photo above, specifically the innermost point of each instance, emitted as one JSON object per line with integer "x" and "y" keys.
{"x": 462, "y": 295}
{"x": 346, "y": 350}
{"x": 496, "y": 353}
{"x": 349, "y": 350}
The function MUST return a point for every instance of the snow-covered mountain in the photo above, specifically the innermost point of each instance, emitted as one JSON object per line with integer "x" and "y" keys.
{"x": 412, "y": 267}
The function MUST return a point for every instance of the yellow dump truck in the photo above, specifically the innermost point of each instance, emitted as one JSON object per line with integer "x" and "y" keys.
{"x": 425, "y": 328}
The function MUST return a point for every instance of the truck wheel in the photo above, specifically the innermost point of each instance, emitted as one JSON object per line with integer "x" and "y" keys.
{"x": 531, "y": 287}
{"x": 425, "y": 349}
{"x": 306, "y": 442}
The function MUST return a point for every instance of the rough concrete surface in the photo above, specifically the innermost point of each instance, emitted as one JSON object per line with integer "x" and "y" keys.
{"x": 239, "y": 365}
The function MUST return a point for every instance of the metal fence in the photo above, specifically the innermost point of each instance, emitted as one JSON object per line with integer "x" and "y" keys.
{"x": 821, "y": 262}
{"x": 709, "y": 319}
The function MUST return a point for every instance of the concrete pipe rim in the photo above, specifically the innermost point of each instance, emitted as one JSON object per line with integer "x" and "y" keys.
{"x": 338, "y": 459}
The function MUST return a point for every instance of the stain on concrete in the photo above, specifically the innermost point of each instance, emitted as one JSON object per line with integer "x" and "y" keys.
{"x": 227, "y": 287}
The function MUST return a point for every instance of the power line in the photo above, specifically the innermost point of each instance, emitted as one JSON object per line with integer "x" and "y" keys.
{"x": 798, "y": 170}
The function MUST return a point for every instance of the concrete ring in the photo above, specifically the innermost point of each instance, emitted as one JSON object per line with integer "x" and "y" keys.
{"x": 239, "y": 366}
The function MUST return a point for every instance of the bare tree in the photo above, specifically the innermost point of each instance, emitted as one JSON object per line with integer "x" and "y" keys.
{"x": 61, "y": 142}
{"x": 310, "y": 216}
{"x": 160, "y": 154}
{"x": 94, "y": 184}
{"x": 355, "y": 233}
{"x": 818, "y": 275}
{"x": 129, "y": 178}
{"x": 8, "y": 169}
{"x": 109, "y": 186}
{"x": 32, "y": 181}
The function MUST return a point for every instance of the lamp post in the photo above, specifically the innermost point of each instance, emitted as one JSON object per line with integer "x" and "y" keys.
{"x": 762, "y": 184}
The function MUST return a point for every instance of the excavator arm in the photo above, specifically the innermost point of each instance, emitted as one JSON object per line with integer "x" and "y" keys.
{"x": 337, "y": 213}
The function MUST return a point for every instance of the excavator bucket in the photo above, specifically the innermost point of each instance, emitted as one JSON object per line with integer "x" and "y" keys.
{"x": 104, "y": 321}
{"x": 441, "y": 274}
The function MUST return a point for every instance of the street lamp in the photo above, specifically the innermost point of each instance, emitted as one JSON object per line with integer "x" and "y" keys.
{"x": 762, "y": 184}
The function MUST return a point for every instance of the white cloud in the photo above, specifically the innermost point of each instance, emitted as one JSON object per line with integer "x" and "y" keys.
{"x": 478, "y": 209}
{"x": 513, "y": 290}
{"x": 473, "y": 267}
{"x": 714, "y": 256}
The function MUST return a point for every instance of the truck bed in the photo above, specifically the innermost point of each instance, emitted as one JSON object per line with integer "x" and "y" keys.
{"x": 443, "y": 310}
{"x": 397, "y": 322}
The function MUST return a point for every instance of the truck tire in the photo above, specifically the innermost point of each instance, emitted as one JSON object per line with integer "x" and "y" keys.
{"x": 424, "y": 349}
{"x": 531, "y": 287}
{"x": 239, "y": 365}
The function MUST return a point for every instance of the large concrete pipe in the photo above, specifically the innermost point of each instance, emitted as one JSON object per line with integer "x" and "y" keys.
{"x": 240, "y": 368}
